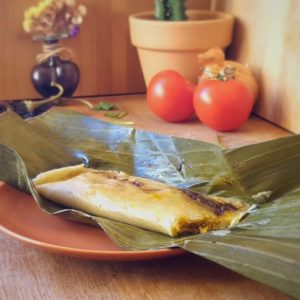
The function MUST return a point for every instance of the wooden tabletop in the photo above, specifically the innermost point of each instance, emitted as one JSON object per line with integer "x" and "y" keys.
{"x": 29, "y": 273}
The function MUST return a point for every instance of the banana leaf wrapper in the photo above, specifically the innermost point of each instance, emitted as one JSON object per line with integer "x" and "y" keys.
{"x": 264, "y": 246}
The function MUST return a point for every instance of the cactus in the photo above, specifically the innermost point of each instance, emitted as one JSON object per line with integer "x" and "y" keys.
{"x": 172, "y": 10}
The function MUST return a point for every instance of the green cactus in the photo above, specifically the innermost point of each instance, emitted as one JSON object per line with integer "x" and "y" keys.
{"x": 171, "y": 10}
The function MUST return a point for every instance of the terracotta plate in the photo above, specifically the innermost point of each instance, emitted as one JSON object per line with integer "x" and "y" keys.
{"x": 21, "y": 218}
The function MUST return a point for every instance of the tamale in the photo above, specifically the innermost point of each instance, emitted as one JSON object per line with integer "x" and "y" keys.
{"x": 138, "y": 201}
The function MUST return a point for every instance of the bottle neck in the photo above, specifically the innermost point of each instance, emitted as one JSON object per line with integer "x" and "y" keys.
{"x": 53, "y": 60}
{"x": 50, "y": 51}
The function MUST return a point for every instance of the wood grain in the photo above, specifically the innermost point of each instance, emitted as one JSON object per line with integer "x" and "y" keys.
{"x": 103, "y": 52}
{"x": 267, "y": 37}
{"x": 27, "y": 273}
{"x": 253, "y": 131}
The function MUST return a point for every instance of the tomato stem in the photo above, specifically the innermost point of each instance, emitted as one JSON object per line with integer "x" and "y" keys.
{"x": 229, "y": 73}
{"x": 222, "y": 74}
{"x": 221, "y": 77}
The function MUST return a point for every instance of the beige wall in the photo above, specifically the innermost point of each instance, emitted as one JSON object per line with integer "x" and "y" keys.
{"x": 108, "y": 62}
{"x": 267, "y": 36}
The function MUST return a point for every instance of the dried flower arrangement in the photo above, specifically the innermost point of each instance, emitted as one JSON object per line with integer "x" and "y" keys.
{"x": 54, "y": 78}
{"x": 54, "y": 19}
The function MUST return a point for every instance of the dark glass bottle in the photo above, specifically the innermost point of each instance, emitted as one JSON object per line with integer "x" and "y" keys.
{"x": 64, "y": 72}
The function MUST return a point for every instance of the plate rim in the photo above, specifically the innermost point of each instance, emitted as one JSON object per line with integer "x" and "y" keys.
{"x": 113, "y": 255}
{"x": 49, "y": 246}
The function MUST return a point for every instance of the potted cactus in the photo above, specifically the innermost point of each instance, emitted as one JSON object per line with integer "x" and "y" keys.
{"x": 171, "y": 37}
{"x": 172, "y": 10}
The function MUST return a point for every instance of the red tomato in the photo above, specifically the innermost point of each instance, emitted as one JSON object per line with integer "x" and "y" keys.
{"x": 223, "y": 105}
{"x": 170, "y": 96}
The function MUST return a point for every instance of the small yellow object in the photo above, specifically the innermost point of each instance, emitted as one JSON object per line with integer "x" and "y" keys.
{"x": 26, "y": 25}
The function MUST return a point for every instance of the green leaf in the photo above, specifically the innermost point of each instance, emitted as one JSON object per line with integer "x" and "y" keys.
{"x": 268, "y": 260}
{"x": 105, "y": 106}
{"x": 263, "y": 246}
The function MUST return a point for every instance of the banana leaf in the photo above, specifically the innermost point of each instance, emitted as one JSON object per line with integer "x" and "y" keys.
{"x": 264, "y": 246}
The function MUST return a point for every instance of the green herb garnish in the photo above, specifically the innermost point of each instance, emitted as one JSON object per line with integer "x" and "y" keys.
{"x": 105, "y": 106}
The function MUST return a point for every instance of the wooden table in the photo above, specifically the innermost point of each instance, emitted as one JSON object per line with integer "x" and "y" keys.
{"x": 28, "y": 273}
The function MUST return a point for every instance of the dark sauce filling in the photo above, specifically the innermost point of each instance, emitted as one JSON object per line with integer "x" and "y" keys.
{"x": 218, "y": 208}
{"x": 137, "y": 183}
{"x": 125, "y": 179}
{"x": 194, "y": 228}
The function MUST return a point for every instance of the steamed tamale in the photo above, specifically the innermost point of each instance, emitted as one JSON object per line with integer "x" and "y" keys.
{"x": 138, "y": 201}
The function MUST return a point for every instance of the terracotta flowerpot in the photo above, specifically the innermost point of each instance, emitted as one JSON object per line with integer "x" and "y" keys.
{"x": 175, "y": 45}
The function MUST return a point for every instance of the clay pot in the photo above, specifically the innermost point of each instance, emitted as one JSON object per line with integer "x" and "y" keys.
{"x": 175, "y": 45}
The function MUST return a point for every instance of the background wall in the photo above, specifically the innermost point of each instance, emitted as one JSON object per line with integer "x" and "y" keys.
{"x": 108, "y": 62}
{"x": 267, "y": 36}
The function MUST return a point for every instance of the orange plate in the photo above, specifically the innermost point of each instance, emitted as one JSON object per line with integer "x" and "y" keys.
{"x": 21, "y": 218}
